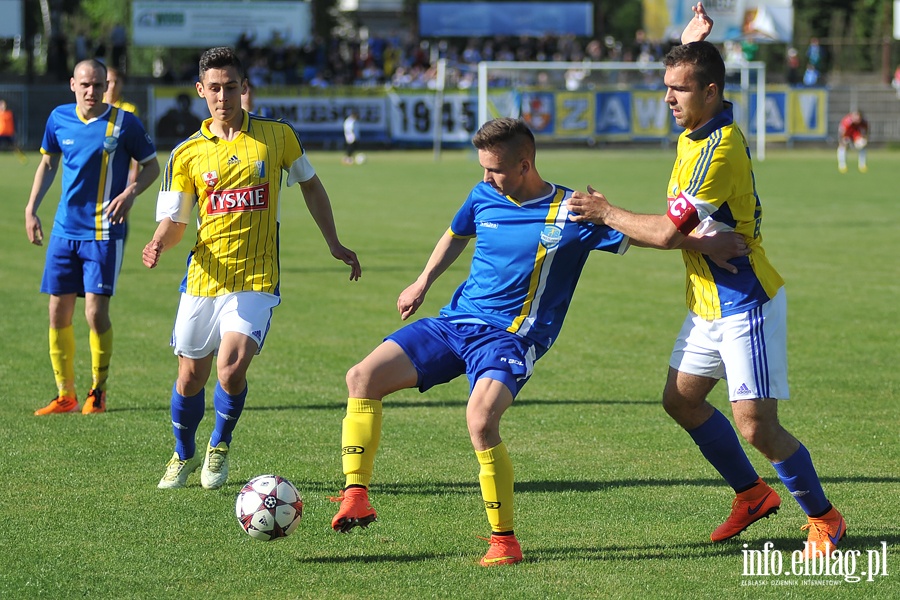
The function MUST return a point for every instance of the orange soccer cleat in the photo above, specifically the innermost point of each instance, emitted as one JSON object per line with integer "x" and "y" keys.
{"x": 747, "y": 508}
{"x": 60, "y": 404}
{"x": 824, "y": 533}
{"x": 504, "y": 550}
{"x": 355, "y": 510}
{"x": 94, "y": 403}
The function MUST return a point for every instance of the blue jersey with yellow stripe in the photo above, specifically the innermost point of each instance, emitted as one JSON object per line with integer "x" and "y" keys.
{"x": 527, "y": 260}
{"x": 96, "y": 155}
{"x": 712, "y": 189}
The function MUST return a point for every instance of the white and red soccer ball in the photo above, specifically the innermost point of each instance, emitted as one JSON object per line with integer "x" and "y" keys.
{"x": 269, "y": 507}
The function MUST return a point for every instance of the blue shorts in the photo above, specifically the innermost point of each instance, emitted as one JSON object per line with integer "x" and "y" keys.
{"x": 79, "y": 266}
{"x": 441, "y": 350}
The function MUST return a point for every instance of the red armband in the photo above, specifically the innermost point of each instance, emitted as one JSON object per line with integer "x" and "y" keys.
{"x": 683, "y": 214}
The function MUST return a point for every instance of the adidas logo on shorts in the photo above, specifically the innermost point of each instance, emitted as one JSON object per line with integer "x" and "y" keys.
{"x": 743, "y": 390}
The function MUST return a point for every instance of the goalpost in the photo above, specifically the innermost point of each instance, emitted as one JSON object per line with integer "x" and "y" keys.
{"x": 504, "y": 87}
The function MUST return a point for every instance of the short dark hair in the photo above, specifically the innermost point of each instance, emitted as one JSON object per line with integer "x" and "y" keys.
{"x": 221, "y": 58}
{"x": 507, "y": 133}
{"x": 706, "y": 60}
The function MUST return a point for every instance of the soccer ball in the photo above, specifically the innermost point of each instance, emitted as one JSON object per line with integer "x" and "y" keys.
{"x": 360, "y": 158}
{"x": 269, "y": 507}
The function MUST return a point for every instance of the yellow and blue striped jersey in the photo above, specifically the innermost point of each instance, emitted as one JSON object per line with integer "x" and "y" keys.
{"x": 96, "y": 155}
{"x": 236, "y": 186}
{"x": 712, "y": 188}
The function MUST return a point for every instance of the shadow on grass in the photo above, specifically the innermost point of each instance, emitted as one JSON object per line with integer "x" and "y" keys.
{"x": 375, "y": 558}
{"x": 626, "y": 553}
{"x": 401, "y": 404}
{"x": 732, "y": 548}
{"x": 439, "y": 488}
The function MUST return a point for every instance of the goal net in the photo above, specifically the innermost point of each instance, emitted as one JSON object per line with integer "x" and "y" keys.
{"x": 595, "y": 102}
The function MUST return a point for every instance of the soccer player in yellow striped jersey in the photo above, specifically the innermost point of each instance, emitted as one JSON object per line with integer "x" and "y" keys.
{"x": 736, "y": 327}
{"x": 231, "y": 170}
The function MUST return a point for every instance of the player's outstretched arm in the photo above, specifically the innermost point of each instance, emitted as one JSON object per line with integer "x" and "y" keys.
{"x": 444, "y": 254}
{"x": 319, "y": 207}
{"x": 43, "y": 179}
{"x": 651, "y": 231}
{"x": 167, "y": 234}
{"x": 699, "y": 27}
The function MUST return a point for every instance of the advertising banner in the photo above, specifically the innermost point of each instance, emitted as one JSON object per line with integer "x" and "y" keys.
{"x": 210, "y": 24}
{"x": 407, "y": 117}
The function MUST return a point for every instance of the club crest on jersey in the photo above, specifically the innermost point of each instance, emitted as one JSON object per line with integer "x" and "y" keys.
{"x": 210, "y": 178}
{"x": 550, "y": 236}
{"x": 239, "y": 200}
{"x": 110, "y": 143}
{"x": 261, "y": 169}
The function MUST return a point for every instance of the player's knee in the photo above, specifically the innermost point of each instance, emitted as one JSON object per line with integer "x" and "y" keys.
{"x": 233, "y": 381}
{"x": 763, "y": 434}
{"x": 359, "y": 381}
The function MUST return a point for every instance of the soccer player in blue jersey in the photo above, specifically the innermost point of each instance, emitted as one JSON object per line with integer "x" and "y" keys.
{"x": 230, "y": 172}
{"x": 527, "y": 260}
{"x": 95, "y": 142}
{"x": 736, "y": 327}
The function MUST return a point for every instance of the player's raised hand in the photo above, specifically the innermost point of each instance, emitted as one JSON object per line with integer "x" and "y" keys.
{"x": 348, "y": 256}
{"x": 34, "y": 230}
{"x": 699, "y": 27}
{"x": 152, "y": 252}
{"x": 591, "y": 206}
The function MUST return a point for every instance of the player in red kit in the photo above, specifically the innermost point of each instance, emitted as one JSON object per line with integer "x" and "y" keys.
{"x": 853, "y": 129}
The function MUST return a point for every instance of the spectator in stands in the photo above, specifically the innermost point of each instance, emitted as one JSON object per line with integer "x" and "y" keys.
{"x": 811, "y": 75}
{"x": 178, "y": 122}
{"x": 7, "y": 127}
{"x": 895, "y": 83}
{"x": 118, "y": 39}
{"x": 815, "y": 54}
{"x": 794, "y": 76}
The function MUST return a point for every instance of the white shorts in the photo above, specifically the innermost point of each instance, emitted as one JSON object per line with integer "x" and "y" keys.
{"x": 202, "y": 321}
{"x": 748, "y": 350}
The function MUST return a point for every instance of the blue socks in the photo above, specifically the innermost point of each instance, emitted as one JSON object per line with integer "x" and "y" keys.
{"x": 187, "y": 412}
{"x": 228, "y": 411}
{"x": 719, "y": 444}
{"x": 798, "y": 475}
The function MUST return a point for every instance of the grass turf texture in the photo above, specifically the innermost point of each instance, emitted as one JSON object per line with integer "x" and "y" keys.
{"x": 613, "y": 500}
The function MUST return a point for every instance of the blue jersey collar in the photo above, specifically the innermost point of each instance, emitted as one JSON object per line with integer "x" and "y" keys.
{"x": 724, "y": 118}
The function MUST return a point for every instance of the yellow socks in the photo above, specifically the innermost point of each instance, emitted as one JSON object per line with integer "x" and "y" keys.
{"x": 496, "y": 479}
{"x": 101, "y": 353}
{"x": 62, "y": 358}
{"x": 360, "y": 435}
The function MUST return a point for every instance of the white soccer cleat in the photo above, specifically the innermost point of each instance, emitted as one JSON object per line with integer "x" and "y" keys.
{"x": 215, "y": 467}
{"x": 177, "y": 472}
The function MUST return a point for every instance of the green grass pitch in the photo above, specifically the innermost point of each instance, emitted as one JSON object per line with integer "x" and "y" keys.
{"x": 612, "y": 498}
